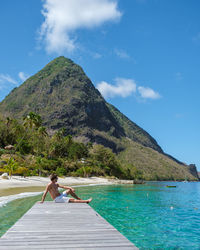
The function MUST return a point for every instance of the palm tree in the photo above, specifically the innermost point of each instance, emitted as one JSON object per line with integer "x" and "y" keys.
{"x": 11, "y": 166}
{"x": 40, "y": 139}
{"x": 32, "y": 120}
{"x": 39, "y": 165}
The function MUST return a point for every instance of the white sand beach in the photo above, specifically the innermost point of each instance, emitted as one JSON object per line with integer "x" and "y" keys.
{"x": 26, "y": 186}
{"x": 36, "y": 181}
{"x": 19, "y": 187}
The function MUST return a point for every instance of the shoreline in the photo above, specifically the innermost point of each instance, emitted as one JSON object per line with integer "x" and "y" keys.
{"x": 39, "y": 183}
{"x": 17, "y": 184}
{"x": 19, "y": 187}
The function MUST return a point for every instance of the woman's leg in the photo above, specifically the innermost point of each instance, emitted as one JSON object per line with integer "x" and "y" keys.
{"x": 72, "y": 200}
{"x": 68, "y": 191}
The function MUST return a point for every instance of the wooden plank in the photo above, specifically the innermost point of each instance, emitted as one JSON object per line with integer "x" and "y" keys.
{"x": 63, "y": 226}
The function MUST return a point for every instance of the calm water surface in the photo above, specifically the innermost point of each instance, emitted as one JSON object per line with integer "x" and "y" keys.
{"x": 152, "y": 216}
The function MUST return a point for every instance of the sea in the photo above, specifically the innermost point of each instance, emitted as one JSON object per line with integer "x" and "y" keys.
{"x": 152, "y": 215}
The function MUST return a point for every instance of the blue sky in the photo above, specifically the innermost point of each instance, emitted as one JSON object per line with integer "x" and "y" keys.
{"x": 143, "y": 55}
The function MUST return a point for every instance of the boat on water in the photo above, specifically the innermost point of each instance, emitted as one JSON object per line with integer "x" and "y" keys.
{"x": 169, "y": 186}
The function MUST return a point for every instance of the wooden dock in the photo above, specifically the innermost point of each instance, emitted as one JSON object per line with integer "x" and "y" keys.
{"x": 63, "y": 226}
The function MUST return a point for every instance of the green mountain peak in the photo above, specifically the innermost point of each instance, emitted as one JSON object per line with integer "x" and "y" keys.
{"x": 66, "y": 98}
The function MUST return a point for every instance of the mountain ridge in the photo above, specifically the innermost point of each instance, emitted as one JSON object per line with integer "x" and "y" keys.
{"x": 66, "y": 98}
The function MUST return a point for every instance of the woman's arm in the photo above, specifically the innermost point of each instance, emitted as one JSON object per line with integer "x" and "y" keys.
{"x": 45, "y": 193}
{"x": 66, "y": 187}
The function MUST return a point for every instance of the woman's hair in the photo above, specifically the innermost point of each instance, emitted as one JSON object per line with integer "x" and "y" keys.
{"x": 53, "y": 177}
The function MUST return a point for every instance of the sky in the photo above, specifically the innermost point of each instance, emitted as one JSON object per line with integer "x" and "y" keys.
{"x": 142, "y": 55}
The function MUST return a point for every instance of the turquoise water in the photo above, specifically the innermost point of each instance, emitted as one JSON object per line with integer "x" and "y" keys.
{"x": 152, "y": 216}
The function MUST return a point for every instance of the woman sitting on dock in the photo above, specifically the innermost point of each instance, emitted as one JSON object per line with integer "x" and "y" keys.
{"x": 52, "y": 188}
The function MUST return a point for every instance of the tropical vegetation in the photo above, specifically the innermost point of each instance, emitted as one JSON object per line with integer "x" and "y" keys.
{"x": 35, "y": 152}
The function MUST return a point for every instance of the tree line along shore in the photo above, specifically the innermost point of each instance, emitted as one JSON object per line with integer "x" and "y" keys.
{"x": 27, "y": 149}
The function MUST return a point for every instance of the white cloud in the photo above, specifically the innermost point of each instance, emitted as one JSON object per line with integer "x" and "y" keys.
{"x": 121, "y": 53}
{"x": 7, "y": 79}
{"x": 123, "y": 87}
{"x": 148, "y": 93}
{"x": 63, "y": 17}
{"x": 23, "y": 76}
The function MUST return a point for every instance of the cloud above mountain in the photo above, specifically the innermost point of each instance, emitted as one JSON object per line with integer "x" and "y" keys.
{"x": 148, "y": 93}
{"x": 23, "y": 76}
{"x": 63, "y": 18}
{"x": 8, "y": 82}
{"x": 5, "y": 78}
{"x": 124, "y": 87}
